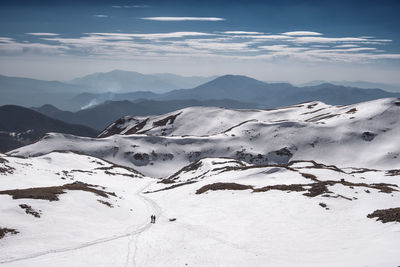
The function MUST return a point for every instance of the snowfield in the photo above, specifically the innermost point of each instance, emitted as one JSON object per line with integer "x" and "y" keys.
{"x": 305, "y": 185}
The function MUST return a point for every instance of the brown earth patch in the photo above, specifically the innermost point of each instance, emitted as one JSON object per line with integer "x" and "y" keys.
{"x": 115, "y": 129}
{"x": 238, "y": 125}
{"x": 5, "y": 169}
{"x": 4, "y": 231}
{"x": 311, "y": 112}
{"x": 117, "y": 173}
{"x": 82, "y": 171}
{"x": 362, "y": 170}
{"x": 323, "y": 205}
{"x": 313, "y": 189}
{"x": 137, "y": 127}
{"x": 51, "y": 193}
{"x": 29, "y": 210}
{"x": 312, "y": 105}
{"x": 229, "y": 160}
{"x": 321, "y": 117}
{"x": 282, "y": 187}
{"x": 115, "y": 166}
{"x": 165, "y": 121}
{"x": 165, "y": 181}
{"x": 351, "y": 111}
{"x": 393, "y": 173}
{"x": 386, "y": 215}
{"x": 223, "y": 186}
{"x": 309, "y": 176}
{"x": 108, "y": 204}
{"x": 316, "y": 165}
{"x": 191, "y": 167}
{"x": 242, "y": 168}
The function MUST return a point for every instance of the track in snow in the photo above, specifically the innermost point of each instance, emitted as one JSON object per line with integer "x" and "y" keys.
{"x": 151, "y": 204}
{"x": 156, "y": 210}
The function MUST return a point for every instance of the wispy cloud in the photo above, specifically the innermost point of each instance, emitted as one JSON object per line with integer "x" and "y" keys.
{"x": 6, "y": 40}
{"x": 312, "y": 39}
{"x": 241, "y": 32}
{"x": 100, "y": 16}
{"x": 9, "y": 46}
{"x": 301, "y": 33}
{"x": 154, "y": 35}
{"x": 244, "y": 45}
{"x": 42, "y": 33}
{"x": 183, "y": 18}
{"x": 132, "y": 6}
{"x": 346, "y": 46}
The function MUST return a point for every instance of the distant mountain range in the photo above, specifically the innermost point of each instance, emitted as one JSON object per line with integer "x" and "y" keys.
{"x": 249, "y": 90}
{"x": 271, "y": 95}
{"x": 359, "y": 84}
{"x": 96, "y": 89}
{"x": 129, "y": 81}
{"x": 32, "y": 92}
{"x": 20, "y": 126}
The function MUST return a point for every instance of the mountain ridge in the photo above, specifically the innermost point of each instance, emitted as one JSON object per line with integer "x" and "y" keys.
{"x": 301, "y": 131}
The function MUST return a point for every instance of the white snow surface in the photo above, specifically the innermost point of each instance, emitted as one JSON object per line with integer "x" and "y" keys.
{"x": 285, "y": 187}
{"x": 215, "y": 228}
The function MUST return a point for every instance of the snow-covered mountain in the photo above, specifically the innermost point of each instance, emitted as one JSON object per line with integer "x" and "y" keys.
{"x": 358, "y": 135}
{"x": 304, "y": 185}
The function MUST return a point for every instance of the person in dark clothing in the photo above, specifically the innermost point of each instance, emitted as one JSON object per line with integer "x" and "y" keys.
{"x": 152, "y": 218}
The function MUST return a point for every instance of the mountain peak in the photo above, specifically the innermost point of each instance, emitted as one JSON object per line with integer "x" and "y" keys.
{"x": 232, "y": 81}
{"x": 233, "y": 77}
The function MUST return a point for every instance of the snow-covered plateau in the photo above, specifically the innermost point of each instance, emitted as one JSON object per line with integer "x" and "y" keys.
{"x": 303, "y": 185}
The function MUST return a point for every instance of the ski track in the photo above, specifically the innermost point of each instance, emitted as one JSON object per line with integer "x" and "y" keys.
{"x": 153, "y": 209}
{"x": 150, "y": 205}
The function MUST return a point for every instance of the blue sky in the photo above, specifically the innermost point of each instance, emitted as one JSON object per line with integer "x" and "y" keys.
{"x": 294, "y": 41}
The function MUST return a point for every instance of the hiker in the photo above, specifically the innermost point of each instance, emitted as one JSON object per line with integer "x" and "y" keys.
{"x": 152, "y": 218}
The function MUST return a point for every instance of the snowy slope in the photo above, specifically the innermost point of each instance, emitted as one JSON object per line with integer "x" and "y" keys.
{"x": 275, "y": 227}
{"x": 214, "y": 212}
{"x": 99, "y": 202}
{"x": 365, "y": 134}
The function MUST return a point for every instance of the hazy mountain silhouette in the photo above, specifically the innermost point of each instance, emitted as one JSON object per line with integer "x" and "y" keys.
{"x": 86, "y": 100}
{"x": 32, "y": 92}
{"x": 73, "y": 97}
{"x": 338, "y": 94}
{"x": 271, "y": 95}
{"x": 20, "y": 126}
{"x": 358, "y": 84}
{"x": 129, "y": 81}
